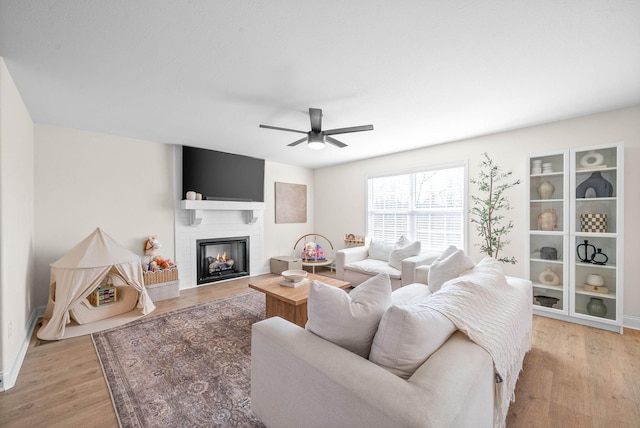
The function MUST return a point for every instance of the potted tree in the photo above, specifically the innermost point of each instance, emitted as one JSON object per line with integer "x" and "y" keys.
{"x": 488, "y": 206}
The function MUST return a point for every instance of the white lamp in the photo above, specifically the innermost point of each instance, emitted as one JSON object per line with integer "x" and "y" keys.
{"x": 315, "y": 140}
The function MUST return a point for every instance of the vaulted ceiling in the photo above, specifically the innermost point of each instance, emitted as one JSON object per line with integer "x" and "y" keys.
{"x": 207, "y": 73}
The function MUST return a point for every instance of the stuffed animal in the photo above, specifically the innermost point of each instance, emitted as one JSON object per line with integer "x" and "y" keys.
{"x": 309, "y": 252}
{"x": 151, "y": 245}
{"x": 163, "y": 263}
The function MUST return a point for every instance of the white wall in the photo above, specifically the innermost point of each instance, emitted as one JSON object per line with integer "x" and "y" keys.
{"x": 340, "y": 204}
{"x": 17, "y": 304}
{"x": 280, "y": 238}
{"x": 85, "y": 180}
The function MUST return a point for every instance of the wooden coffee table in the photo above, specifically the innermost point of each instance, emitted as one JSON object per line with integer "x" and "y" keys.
{"x": 288, "y": 302}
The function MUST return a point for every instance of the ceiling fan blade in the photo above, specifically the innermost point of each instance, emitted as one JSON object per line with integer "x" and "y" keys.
{"x": 347, "y": 130}
{"x": 315, "y": 114}
{"x": 295, "y": 143}
{"x": 282, "y": 129}
{"x": 336, "y": 142}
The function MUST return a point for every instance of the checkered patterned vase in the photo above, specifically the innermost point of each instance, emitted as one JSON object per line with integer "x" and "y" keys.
{"x": 593, "y": 222}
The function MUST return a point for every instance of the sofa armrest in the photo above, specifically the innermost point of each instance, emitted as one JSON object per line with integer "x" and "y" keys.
{"x": 461, "y": 374}
{"x": 410, "y": 264}
{"x": 349, "y": 255}
{"x": 299, "y": 379}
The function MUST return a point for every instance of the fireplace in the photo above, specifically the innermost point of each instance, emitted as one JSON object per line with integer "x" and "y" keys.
{"x": 222, "y": 258}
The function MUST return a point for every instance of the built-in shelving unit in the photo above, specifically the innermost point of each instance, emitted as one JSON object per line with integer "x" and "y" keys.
{"x": 569, "y": 241}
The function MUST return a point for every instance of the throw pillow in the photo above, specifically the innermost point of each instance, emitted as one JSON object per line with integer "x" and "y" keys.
{"x": 450, "y": 265}
{"x": 400, "y": 253}
{"x": 349, "y": 320}
{"x": 410, "y": 294}
{"x": 380, "y": 250}
{"x": 402, "y": 241}
{"x": 407, "y": 336}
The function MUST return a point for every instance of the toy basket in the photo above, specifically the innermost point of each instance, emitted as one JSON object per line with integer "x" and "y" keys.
{"x": 159, "y": 276}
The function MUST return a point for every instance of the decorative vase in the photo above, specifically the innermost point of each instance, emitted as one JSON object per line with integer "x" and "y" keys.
{"x": 596, "y": 307}
{"x": 548, "y": 219}
{"x": 549, "y": 277}
{"x": 191, "y": 195}
{"x": 591, "y": 159}
{"x": 545, "y": 190}
{"x": 596, "y": 185}
{"x": 595, "y": 279}
{"x": 548, "y": 253}
{"x": 547, "y": 301}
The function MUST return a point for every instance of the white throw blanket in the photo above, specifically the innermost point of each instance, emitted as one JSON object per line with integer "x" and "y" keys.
{"x": 494, "y": 315}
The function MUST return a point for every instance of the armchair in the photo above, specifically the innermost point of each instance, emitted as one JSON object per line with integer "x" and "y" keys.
{"x": 357, "y": 264}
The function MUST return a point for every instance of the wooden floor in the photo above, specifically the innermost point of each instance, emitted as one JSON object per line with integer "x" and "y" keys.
{"x": 574, "y": 376}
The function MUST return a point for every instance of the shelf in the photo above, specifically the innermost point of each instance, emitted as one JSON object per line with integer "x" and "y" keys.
{"x": 548, "y": 287}
{"x": 587, "y": 171}
{"x": 592, "y": 265}
{"x": 548, "y": 174}
{"x": 602, "y": 199}
{"x": 547, "y": 232}
{"x": 252, "y": 209}
{"x": 558, "y": 262}
{"x": 542, "y": 201}
{"x": 596, "y": 234}
{"x": 609, "y": 295}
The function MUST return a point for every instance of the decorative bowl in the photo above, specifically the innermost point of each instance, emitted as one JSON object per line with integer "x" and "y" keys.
{"x": 547, "y": 301}
{"x": 294, "y": 275}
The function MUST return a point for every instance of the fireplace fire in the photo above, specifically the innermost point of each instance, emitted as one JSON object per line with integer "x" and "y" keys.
{"x": 219, "y": 263}
{"x": 222, "y": 258}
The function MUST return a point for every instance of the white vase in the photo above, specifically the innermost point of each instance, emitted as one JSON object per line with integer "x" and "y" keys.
{"x": 545, "y": 190}
{"x": 191, "y": 195}
{"x": 591, "y": 159}
{"x": 595, "y": 279}
{"x": 549, "y": 277}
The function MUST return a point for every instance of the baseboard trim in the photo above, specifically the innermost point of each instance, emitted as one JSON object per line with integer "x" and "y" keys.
{"x": 8, "y": 378}
{"x": 631, "y": 321}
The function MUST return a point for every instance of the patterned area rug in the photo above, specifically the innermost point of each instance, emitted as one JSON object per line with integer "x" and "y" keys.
{"x": 187, "y": 368}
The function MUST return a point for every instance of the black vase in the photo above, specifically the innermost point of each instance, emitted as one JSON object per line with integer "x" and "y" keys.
{"x": 599, "y": 184}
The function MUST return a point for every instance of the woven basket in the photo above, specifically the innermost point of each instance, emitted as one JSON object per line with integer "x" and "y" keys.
{"x": 159, "y": 276}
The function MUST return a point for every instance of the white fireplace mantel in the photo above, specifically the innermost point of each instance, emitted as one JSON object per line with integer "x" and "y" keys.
{"x": 252, "y": 210}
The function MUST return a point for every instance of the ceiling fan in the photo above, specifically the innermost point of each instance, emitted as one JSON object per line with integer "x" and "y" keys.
{"x": 316, "y": 137}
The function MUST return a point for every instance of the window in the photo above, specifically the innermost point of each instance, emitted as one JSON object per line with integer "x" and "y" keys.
{"x": 426, "y": 205}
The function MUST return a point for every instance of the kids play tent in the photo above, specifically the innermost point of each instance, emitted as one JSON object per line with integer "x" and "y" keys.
{"x": 80, "y": 272}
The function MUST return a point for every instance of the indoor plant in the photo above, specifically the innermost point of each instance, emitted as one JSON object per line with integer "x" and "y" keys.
{"x": 488, "y": 206}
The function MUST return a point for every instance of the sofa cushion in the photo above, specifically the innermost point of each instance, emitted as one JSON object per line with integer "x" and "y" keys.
{"x": 449, "y": 265}
{"x": 380, "y": 250}
{"x": 373, "y": 267}
{"x": 410, "y": 294}
{"x": 407, "y": 336}
{"x": 349, "y": 320}
{"x": 401, "y": 252}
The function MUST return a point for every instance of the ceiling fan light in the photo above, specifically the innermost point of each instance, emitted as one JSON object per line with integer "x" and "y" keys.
{"x": 316, "y": 145}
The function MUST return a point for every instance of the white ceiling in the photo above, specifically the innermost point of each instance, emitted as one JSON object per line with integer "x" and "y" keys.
{"x": 207, "y": 72}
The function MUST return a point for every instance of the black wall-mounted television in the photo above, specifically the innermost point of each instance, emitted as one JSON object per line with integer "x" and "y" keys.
{"x": 221, "y": 176}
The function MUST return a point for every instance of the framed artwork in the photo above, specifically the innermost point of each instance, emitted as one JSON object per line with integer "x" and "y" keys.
{"x": 291, "y": 203}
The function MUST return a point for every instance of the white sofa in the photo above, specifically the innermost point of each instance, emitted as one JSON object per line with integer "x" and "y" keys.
{"x": 299, "y": 379}
{"x": 357, "y": 264}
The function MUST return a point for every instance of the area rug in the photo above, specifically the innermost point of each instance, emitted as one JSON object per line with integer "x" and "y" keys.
{"x": 187, "y": 368}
